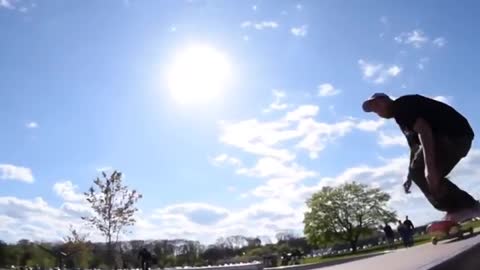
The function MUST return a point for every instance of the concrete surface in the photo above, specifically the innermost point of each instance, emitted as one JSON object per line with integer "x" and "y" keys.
{"x": 423, "y": 257}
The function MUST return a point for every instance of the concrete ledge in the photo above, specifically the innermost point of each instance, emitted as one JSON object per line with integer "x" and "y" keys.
{"x": 324, "y": 264}
{"x": 467, "y": 260}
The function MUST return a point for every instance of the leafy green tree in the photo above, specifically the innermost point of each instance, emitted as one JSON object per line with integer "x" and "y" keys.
{"x": 213, "y": 254}
{"x": 344, "y": 213}
{"x": 113, "y": 205}
{"x": 78, "y": 249}
{"x": 3, "y": 254}
{"x": 164, "y": 251}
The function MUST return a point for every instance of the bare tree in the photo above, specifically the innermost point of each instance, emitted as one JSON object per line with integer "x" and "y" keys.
{"x": 113, "y": 205}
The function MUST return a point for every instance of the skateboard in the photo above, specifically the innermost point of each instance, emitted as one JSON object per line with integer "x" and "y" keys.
{"x": 446, "y": 229}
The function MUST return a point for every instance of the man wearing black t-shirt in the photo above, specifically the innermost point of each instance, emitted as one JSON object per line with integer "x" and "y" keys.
{"x": 438, "y": 137}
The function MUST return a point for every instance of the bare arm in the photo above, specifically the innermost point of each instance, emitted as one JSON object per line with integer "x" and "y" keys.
{"x": 426, "y": 138}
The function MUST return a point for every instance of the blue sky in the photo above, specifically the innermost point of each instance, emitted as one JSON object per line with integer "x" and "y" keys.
{"x": 84, "y": 85}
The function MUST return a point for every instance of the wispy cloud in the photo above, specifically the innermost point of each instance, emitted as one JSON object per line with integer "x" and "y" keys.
{"x": 16, "y": 5}
{"x": 388, "y": 140}
{"x": 443, "y": 99}
{"x": 384, "y": 20}
{"x": 302, "y": 112}
{"x": 300, "y": 31}
{"x": 268, "y": 167}
{"x": 31, "y": 125}
{"x": 6, "y": 4}
{"x": 439, "y": 42}
{"x": 277, "y": 104}
{"x": 260, "y": 25}
{"x": 416, "y": 38}
{"x": 422, "y": 62}
{"x": 12, "y": 172}
{"x": 327, "y": 89}
{"x": 378, "y": 73}
{"x": 104, "y": 169}
{"x": 226, "y": 159}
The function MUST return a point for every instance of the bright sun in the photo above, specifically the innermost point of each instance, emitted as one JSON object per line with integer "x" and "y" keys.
{"x": 198, "y": 74}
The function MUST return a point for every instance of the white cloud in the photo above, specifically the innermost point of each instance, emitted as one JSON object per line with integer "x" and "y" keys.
{"x": 246, "y": 38}
{"x": 369, "y": 69}
{"x": 198, "y": 213}
{"x": 326, "y": 89}
{"x": 104, "y": 169}
{"x": 300, "y": 31}
{"x": 302, "y": 112}
{"x": 32, "y": 125}
{"x": 36, "y": 220}
{"x": 394, "y": 71}
{"x": 254, "y": 8}
{"x": 6, "y": 4}
{"x": 226, "y": 159}
{"x": 416, "y": 38}
{"x": 259, "y": 25}
{"x": 384, "y": 20}
{"x": 259, "y": 138}
{"x": 277, "y": 104}
{"x": 370, "y": 125}
{"x": 443, "y": 99}
{"x": 439, "y": 42}
{"x": 298, "y": 127}
{"x": 422, "y": 62}
{"x": 299, "y": 6}
{"x": 66, "y": 190}
{"x": 268, "y": 167}
{"x": 378, "y": 73}
{"x": 387, "y": 140}
{"x": 12, "y": 172}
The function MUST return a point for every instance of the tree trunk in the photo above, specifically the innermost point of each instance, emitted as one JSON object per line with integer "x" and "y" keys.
{"x": 110, "y": 256}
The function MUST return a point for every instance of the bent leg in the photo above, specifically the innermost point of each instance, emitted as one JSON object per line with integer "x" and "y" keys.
{"x": 417, "y": 174}
{"x": 449, "y": 153}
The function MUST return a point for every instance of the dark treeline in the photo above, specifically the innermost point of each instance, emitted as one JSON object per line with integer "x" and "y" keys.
{"x": 165, "y": 253}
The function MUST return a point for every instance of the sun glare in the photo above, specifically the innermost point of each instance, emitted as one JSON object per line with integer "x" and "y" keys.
{"x": 198, "y": 74}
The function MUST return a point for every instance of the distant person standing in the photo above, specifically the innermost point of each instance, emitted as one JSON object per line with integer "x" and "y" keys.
{"x": 389, "y": 234}
{"x": 402, "y": 231}
{"x": 410, "y": 230}
{"x": 145, "y": 258}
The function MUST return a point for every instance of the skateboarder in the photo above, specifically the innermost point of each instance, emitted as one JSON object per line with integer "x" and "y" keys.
{"x": 438, "y": 137}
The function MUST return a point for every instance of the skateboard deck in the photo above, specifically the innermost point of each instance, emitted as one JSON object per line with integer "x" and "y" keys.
{"x": 446, "y": 229}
